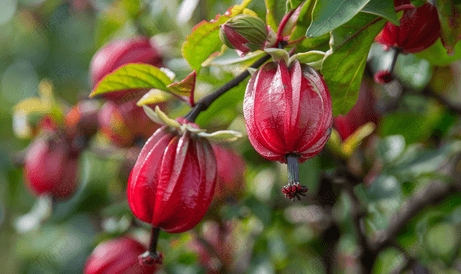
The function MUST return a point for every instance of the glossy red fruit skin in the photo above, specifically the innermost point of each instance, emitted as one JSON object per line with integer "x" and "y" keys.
{"x": 123, "y": 123}
{"x": 287, "y": 110}
{"x": 364, "y": 111}
{"x": 231, "y": 170}
{"x": 117, "y": 256}
{"x": 121, "y": 52}
{"x": 419, "y": 29}
{"x": 172, "y": 183}
{"x": 50, "y": 167}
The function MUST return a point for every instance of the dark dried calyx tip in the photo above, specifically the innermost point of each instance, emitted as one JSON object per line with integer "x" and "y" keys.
{"x": 150, "y": 258}
{"x": 293, "y": 189}
{"x": 383, "y": 77}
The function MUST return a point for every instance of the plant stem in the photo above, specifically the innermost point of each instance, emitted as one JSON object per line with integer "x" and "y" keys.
{"x": 155, "y": 232}
{"x": 394, "y": 59}
{"x": 206, "y": 101}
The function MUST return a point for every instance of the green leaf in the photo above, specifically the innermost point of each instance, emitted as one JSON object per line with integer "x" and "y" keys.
{"x": 411, "y": 124}
{"x": 328, "y": 15}
{"x": 278, "y": 54}
{"x": 450, "y": 22}
{"x": 383, "y": 8}
{"x": 437, "y": 54}
{"x": 132, "y": 77}
{"x": 275, "y": 10}
{"x": 344, "y": 64}
{"x": 308, "y": 57}
{"x": 204, "y": 39}
{"x": 293, "y": 4}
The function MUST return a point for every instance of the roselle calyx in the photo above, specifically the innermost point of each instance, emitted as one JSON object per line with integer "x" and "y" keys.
{"x": 288, "y": 115}
{"x": 246, "y": 33}
{"x": 121, "y": 52}
{"x": 419, "y": 29}
{"x": 172, "y": 183}
{"x": 117, "y": 256}
{"x": 51, "y": 165}
{"x": 173, "y": 180}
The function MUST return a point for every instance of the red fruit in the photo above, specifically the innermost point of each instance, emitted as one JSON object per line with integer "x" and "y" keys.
{"x": 82, "y": 119}
{"x": 419, "y": 29}
{"x": 231, "y": 168}
{"x": 364, "y": 111}
{"x": 122, "y": 124}
{"x": 51, "y": 167}
{"x": 118, "y": 256}
{"x": 288, "y": 114}
{"x": 172, "y": 183}
{"x": 121, "y": 52}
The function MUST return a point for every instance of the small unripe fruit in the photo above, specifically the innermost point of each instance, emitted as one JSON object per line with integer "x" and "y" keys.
{"x": 246, "y": 33}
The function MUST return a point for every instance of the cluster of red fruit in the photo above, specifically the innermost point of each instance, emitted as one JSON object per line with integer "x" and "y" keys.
{"x": 288, "y": 114}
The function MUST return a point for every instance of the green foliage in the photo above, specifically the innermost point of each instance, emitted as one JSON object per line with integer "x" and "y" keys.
{"x": 343, "y": 66}
{"x": 133, "y": 77}
{"x": 383, "y": 8}
{"x": 329, "y": 15}
{"x": 204, "y": 39}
